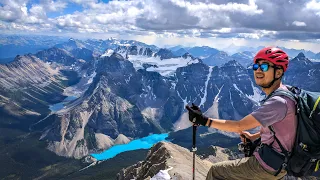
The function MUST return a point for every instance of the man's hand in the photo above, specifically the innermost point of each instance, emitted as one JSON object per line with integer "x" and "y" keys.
{"x": 248, "y": 135}
{"x": 196, "y": 116}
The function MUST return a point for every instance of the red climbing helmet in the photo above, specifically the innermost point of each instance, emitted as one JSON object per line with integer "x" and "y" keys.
{"x": 275, "y": 55}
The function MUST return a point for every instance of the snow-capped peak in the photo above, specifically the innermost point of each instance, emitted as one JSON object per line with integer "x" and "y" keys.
{"x": 108, "y": 53}
{"x": 166, "y": 67}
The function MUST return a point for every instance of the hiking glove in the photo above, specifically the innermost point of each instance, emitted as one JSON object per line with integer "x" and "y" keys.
{"x": 196, "y": 116}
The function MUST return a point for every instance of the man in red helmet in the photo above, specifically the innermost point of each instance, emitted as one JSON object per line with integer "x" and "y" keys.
{"x": 276, "y": 119}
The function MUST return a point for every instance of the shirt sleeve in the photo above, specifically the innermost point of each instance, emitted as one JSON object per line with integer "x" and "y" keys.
{"x": 272, "y": 111}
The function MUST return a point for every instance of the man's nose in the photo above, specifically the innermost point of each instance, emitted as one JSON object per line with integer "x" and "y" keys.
{"x": 259, "y": 70}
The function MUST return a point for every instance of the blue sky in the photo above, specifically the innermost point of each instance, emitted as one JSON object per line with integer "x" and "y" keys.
{"x": 215, "y": 23}
{"x": 70, "y": 9}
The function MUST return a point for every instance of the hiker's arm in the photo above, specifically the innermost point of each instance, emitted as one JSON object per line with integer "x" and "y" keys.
{"x": 246, "y": 123}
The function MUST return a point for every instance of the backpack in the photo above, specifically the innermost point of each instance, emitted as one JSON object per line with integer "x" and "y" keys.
{"x": 304, "y": 159}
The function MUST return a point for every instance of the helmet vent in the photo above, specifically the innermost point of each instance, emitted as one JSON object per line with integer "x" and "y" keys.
{"x": 268, "y": 51}
{"x": 272, "y": 57}
{"x": 279, "y": 52}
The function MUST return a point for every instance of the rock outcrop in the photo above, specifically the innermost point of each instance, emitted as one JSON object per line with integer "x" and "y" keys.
{"x": 166, "y": 160}
{"x": 166, "y": 155}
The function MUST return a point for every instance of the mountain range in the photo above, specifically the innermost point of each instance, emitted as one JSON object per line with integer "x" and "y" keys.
{"x": 126, "y": 90}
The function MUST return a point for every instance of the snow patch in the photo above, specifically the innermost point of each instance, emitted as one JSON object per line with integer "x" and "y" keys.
{"x": 256, "y": 97}
{"x": 108, "y": 53}
{"x": 91, "y": 77}
{"x": 204, "y": 98}
{"x": 173, "y": 85}
{"x": 311, "y": 72}
{"x": 184, "y": 100}
{"x": 213, "y": 111}
{"x": 162, "y": 175}
{"x": 235, "y": 113}
{"x": 128, "y": 80}
{"x": 165, "y": 67}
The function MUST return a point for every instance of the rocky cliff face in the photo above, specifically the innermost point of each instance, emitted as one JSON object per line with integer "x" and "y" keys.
{"x": 245, "y": 58}
{"x": 57, "y": 55}
{"x": 217, "y": 59}
{"x": 134, "y": 50}
{"x": 225, "y": 92}
{"x": 30, "y": 85}
{"x": 102, "y": 111}
{"x": 301, "y": 69}
{"x": 123, "y": 100}
{"x": 128, "y": 96}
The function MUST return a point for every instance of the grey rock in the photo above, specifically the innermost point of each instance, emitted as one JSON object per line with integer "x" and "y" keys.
{"x": 166, "y": 156}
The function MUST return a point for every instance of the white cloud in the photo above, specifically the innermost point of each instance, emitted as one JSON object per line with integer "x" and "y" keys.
{"x": 38, "y": 11}
{"x": 11, "y": 10}
{"x": 2, "y": 26}
{"x": 17, "y": 11}
{"x": 22, "y": 27}
{"x": 299, "y": 23}
{"x": 69, "y": 21}
{"x": 83, "y": 1}
{"x": 250, "y": 35}
{"x": 222, "y": 30}
{"x": 313, "y": 5}
{"x": 53, "y": 6}
{"x": 249, "y": 9}
{"x": 154, "y": 19}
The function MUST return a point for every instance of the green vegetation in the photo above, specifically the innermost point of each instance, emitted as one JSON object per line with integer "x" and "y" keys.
{"x": 107, "y": 170}
{"x": 80, "y": 143}
{"x": 23, "y": 155}
{"x": 90, "y": 138}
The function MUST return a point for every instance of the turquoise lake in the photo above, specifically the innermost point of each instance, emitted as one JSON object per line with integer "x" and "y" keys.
{"x": 143, "y": 143}
{"x": 59, "y": 106}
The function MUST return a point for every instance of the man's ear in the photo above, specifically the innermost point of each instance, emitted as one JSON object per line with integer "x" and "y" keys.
{"x": 279, "y": 72}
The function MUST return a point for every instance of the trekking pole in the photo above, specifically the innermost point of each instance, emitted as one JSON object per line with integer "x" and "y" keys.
{"x": 194, "y": 149}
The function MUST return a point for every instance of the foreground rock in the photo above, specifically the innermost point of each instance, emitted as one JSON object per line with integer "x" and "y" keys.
{"x": 166, "y": 160}
{"x": 165, "y": 155}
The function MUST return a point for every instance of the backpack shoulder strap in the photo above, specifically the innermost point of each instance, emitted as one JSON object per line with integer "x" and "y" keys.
{"x": 284, "y": 151}
{"x": 282, "y": 92}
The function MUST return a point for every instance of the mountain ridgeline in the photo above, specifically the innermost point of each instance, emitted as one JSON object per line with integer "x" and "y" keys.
{"x": 135, "y": 102}
{"x": 126, "y": 90}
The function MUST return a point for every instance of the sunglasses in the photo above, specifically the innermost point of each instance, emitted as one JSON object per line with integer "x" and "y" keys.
{"x": 264, "y": 67}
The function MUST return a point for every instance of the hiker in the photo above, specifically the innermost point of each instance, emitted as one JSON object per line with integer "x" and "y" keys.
{"x": 279, "y": 112}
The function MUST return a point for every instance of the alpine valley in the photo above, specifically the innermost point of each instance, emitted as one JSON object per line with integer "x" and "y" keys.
{"x": 62, "y": 100}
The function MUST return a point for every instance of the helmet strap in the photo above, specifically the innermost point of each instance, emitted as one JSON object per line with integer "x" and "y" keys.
{"x": 274, "y": 80}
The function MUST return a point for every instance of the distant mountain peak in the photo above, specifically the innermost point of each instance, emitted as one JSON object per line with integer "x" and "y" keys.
{"x": 112, "y": 38}
{"x": 301, "y": 60}
{"x": 232, "y": 63}
{"x": 222, "y": 53}
{"x": 164, "y": 53}
{"x": 301, "y": 55}
{"x": 186, "y": 55}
